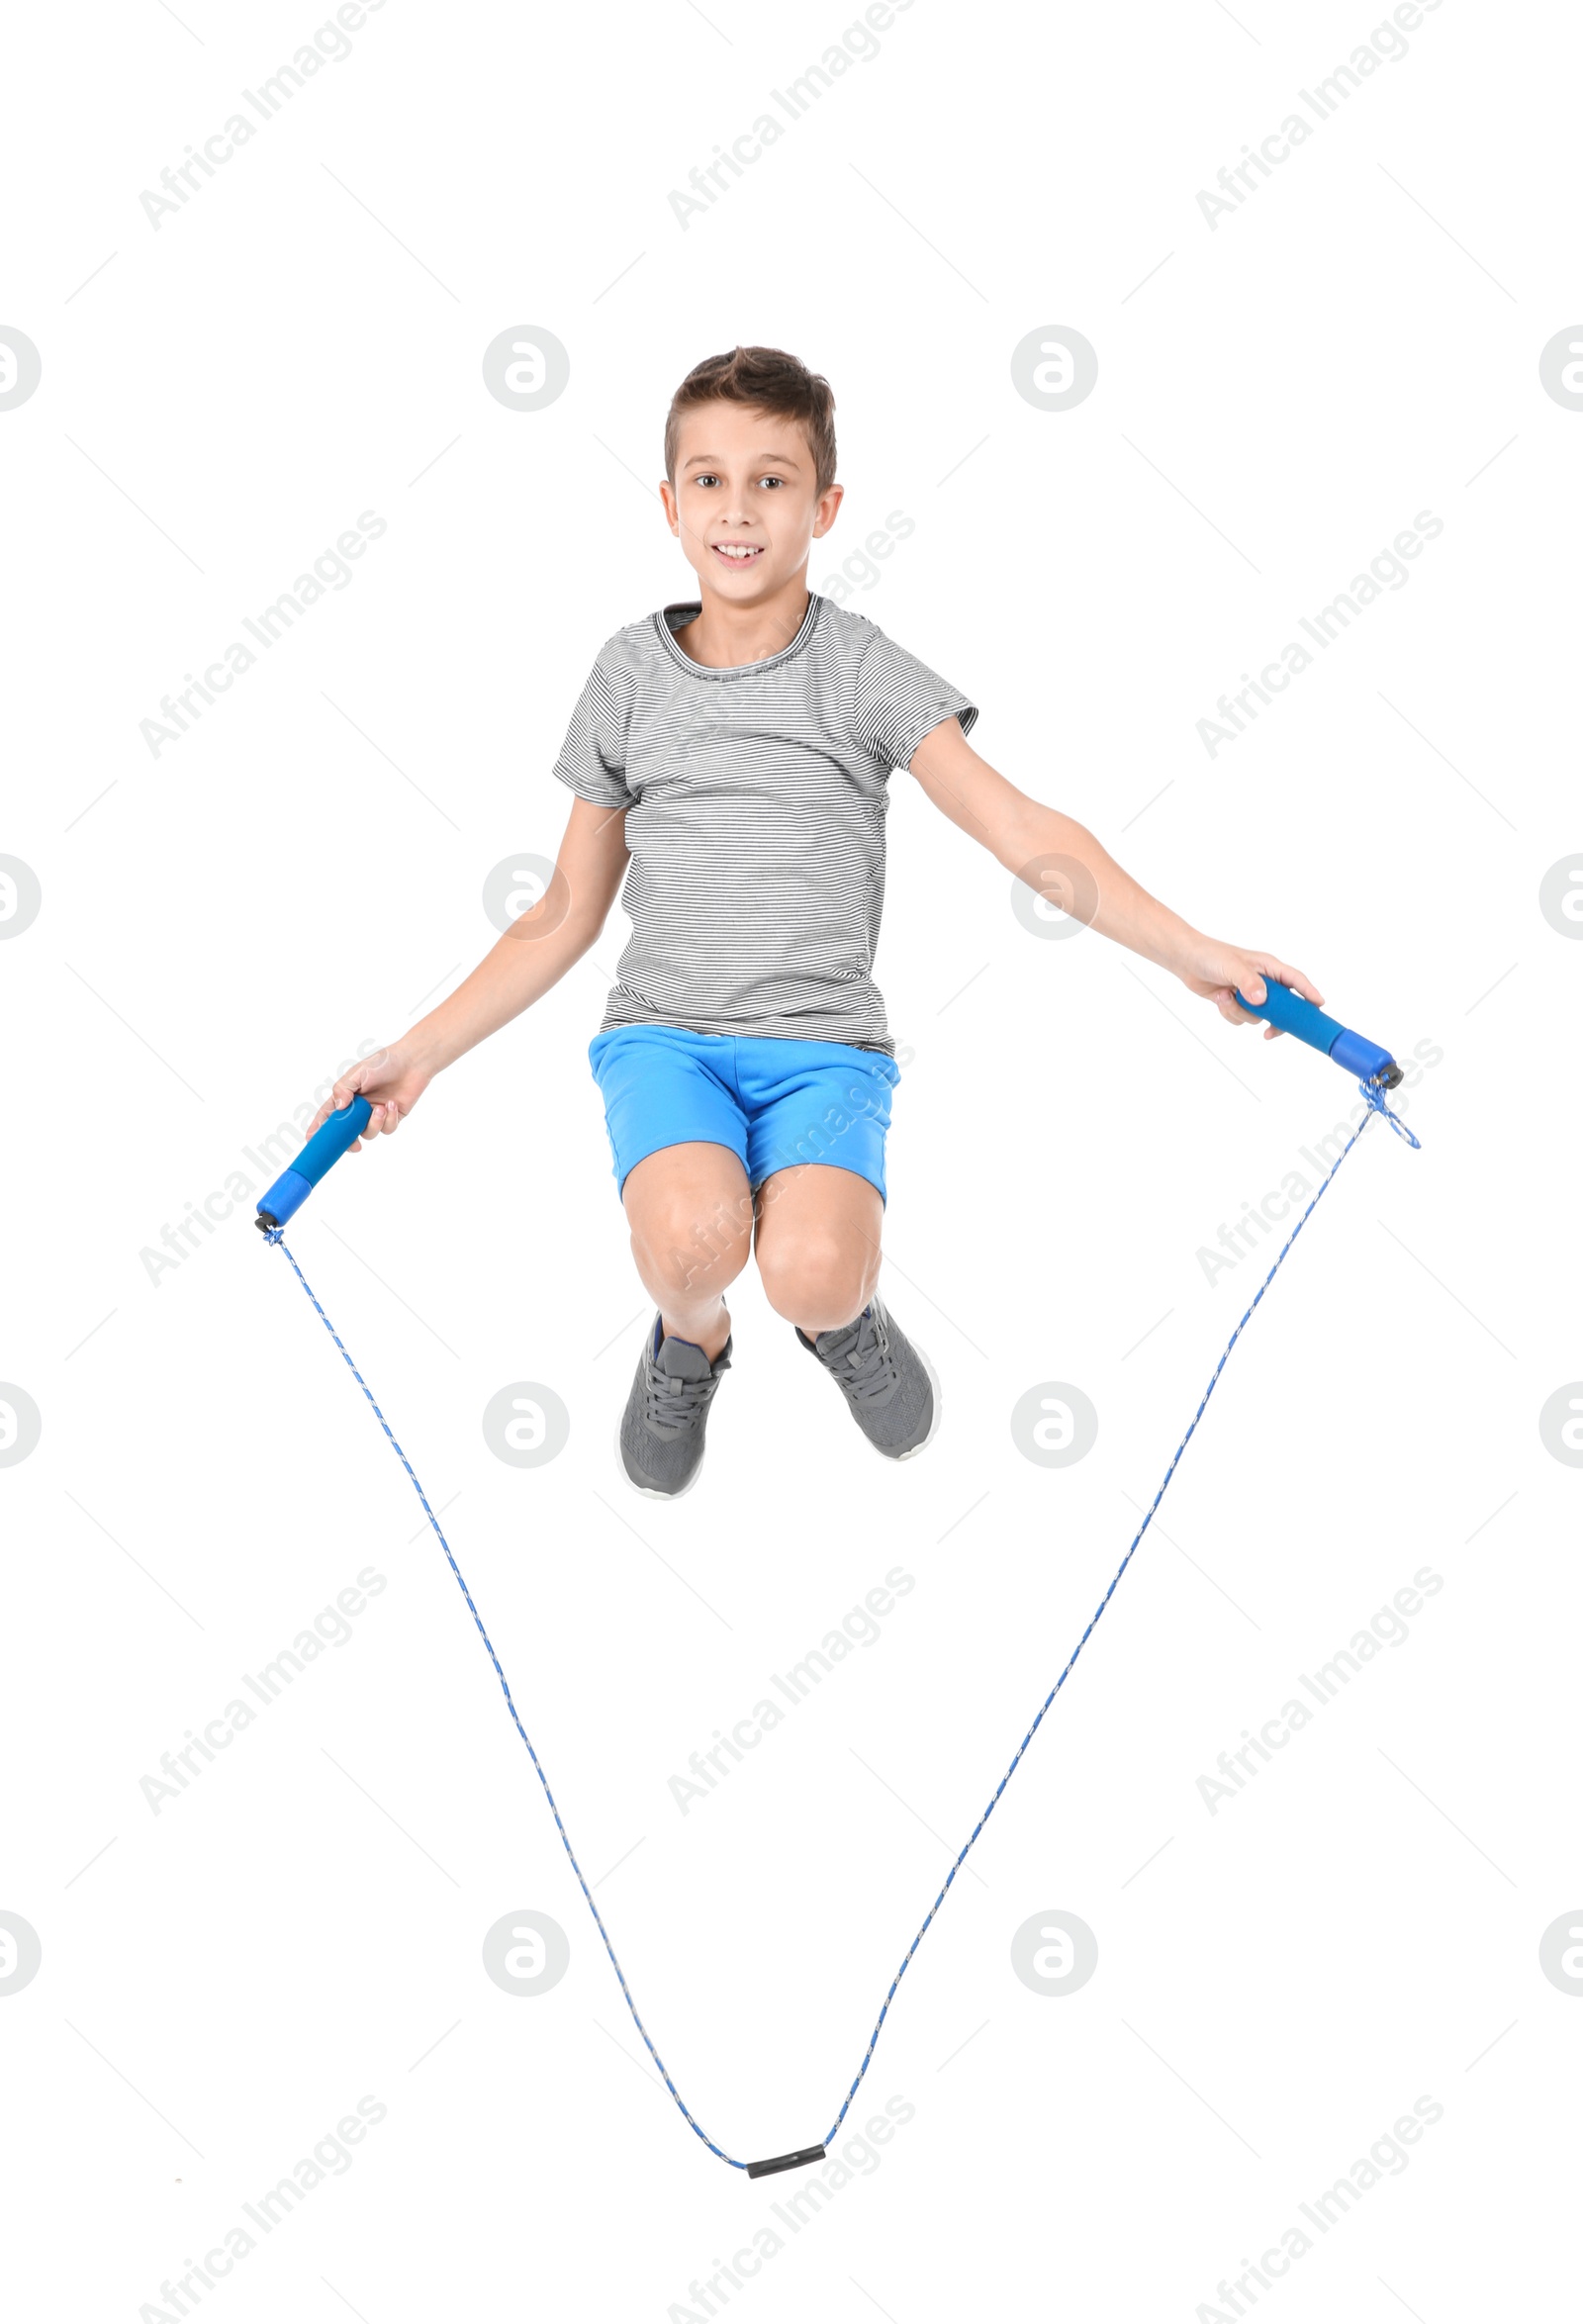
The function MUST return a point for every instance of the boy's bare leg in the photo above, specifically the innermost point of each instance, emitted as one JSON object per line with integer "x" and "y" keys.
{"x": 691, "y": 1219}
{"x": 818, "y": 1244}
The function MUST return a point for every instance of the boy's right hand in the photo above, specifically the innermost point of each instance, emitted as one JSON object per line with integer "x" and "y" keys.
{"x": 392, "y": 1084}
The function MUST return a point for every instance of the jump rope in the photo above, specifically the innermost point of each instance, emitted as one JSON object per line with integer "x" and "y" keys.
{"x": 1378, "y": 1071}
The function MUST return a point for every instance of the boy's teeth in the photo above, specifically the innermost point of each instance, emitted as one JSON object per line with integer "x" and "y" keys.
{"x": 736, "y": 554}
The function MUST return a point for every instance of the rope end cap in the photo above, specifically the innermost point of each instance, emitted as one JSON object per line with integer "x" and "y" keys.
{"x": 773, "y": 2162}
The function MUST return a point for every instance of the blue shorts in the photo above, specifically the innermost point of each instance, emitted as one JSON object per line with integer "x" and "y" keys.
{"x": 774, "y": 1103}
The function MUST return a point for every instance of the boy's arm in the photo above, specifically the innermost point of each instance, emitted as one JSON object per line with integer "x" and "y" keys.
{"x": 535, "y": 953}
{"x": 1089, "y": 883}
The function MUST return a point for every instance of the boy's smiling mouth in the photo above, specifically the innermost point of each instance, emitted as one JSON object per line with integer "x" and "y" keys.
{"x": 736, "y": 552}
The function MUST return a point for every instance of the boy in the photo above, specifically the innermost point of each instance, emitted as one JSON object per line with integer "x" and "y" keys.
{"x": 735, "y": 751}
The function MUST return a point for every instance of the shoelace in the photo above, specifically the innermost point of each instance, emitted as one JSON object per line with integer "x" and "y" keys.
{"x": 671, "y": 1405}
{"x": 867, "y": 1370}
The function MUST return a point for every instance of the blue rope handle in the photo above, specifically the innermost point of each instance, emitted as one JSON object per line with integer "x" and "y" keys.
{"x": 1374, "y": 1099}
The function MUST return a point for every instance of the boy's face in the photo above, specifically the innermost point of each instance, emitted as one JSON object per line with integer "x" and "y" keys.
{"x": 744, "y": 505}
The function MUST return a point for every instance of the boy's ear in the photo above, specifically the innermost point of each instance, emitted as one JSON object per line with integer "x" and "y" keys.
{"x": 671, "y": 513}
{"x": 825, "y": 513}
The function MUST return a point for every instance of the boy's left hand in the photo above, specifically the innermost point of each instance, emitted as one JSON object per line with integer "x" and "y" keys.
{"x": 1218, "y": 971}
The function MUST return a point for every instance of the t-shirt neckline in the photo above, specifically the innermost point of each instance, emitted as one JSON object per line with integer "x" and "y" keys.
{"x": 693, "y": 607}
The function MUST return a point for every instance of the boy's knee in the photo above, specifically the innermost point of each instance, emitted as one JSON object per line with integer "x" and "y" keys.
{"x": 681, "y": 1253}
{"x": 818, "y": 1278}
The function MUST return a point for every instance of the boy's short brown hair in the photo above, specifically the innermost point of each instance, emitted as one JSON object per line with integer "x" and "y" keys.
{"x": 768, "y": 380}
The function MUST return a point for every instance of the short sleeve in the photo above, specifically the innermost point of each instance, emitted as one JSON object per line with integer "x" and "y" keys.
{"x": 592, "y": 760}
{"x": 899, "y": 700}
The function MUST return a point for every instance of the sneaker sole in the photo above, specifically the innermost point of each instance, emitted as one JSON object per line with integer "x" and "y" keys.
{"x": 934, "y": 1389}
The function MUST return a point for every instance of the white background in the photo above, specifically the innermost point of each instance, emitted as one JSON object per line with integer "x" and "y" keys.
{"x": 222, "y": 925}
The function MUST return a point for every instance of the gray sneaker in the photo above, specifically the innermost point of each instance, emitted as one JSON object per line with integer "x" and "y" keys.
{"x": 891, "y": 1387}
{"x": 661, "y": 1435}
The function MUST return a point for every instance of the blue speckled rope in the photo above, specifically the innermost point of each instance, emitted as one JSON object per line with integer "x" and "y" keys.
{"x": 1374, "y": 1098}
{"x": 276, "y": 1236}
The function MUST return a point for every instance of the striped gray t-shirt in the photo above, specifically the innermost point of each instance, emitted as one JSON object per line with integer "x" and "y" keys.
{"x": 755, "y": 804}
